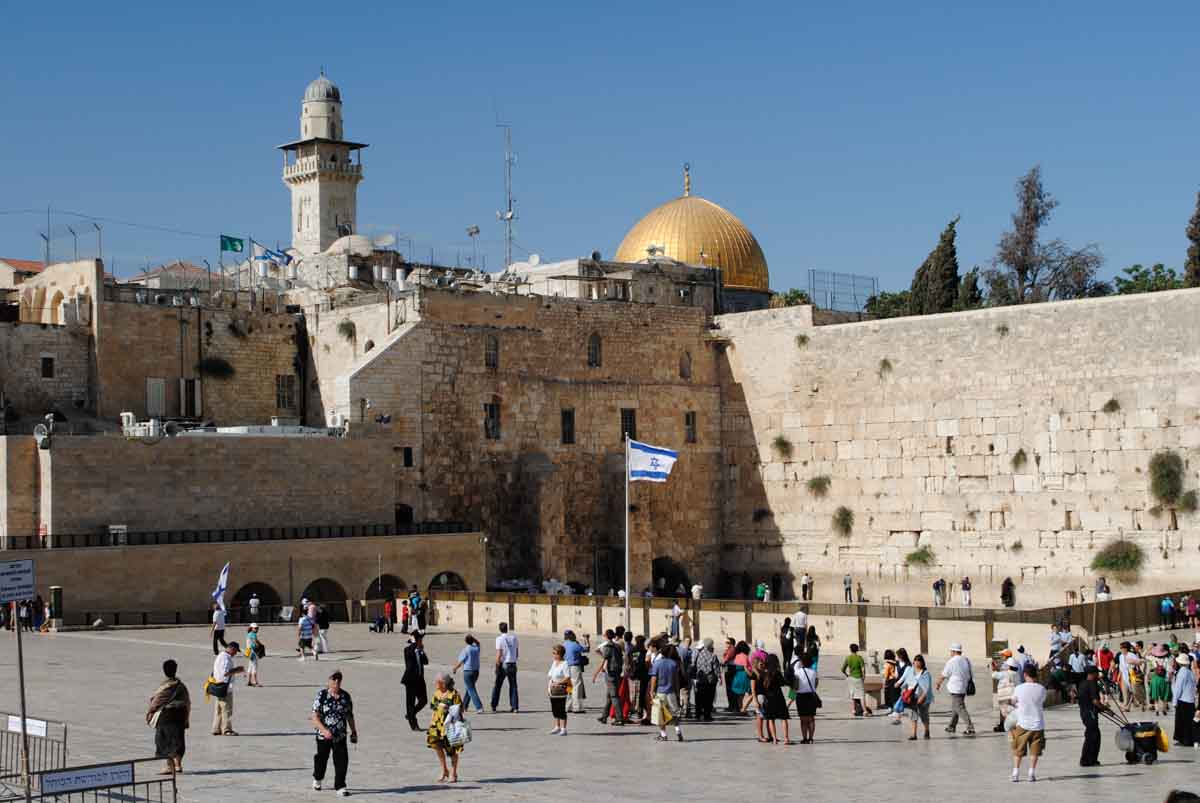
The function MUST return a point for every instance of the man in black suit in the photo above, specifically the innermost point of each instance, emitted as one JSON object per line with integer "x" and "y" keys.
{"x": 415, "y": 694}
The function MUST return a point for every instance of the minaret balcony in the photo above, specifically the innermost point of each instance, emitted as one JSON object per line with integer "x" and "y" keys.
{"x": 313, "y": 165}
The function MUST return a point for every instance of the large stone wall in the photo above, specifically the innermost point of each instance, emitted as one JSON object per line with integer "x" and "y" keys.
{"x": 32, "y": 395}
{"x": 917, "y": 422}
{"x": 137, "y": 341}
{"x": 553, "y": 509}
{"x": 212, "y": 482}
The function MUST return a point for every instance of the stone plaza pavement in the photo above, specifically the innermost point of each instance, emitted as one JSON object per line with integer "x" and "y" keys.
{"x": 99, "y": 684}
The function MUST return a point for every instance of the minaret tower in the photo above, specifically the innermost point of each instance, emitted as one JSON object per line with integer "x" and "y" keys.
{"x": 322, "y": 170}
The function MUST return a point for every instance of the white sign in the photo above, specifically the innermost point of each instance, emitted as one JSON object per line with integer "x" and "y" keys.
{"x": 77, "y": 780}
{"x": 16, "y": 580}
{"x": 34, "y": 727}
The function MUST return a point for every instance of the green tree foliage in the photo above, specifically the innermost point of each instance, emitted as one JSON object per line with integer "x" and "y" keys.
{"x": 791, "y": 298}
{"x": 888, "y": 305}
{"x": 1140, "y": 279}
{"x": 935, "y": 285}
{"x": 969, "y": 294}
{"x": 1025, "y": 269}
{"x": 1191, "y": 268}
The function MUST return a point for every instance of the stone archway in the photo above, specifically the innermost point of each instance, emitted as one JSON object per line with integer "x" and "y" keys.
{"x": 269, "y": 602}
{"x": 385, "y": 586}
{"x": 330, "y": 595}
{"x": 447, "y": 581}
{"x": 668, "y": 576}
{"x": 55, "y": 313}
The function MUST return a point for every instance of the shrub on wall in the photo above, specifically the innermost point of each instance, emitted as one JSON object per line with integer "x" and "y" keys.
{"x": 1016, "y": 546}
{"x": 1166, "y": 477}
{"x": 922, "y": 556}
{"x": 1019, "y": 460}
{"x": 801, "y": 341}
{"x": 819, "y": 486}
{"x": 1111, "y": 406}
{"x": 843, "y": 521}
{"x": 782, "y": 446}
{"x": 885, "y": 367}
{"x": 1122, "y": 558}
{"x": 347, "y": 329}
{"x": 1189, "y": 502}
{"x": 216, "y": 367}
{"x": 1002, "y": 330}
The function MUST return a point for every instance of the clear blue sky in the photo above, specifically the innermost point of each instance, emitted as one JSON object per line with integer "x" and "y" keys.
{"x": 844, "y": 135}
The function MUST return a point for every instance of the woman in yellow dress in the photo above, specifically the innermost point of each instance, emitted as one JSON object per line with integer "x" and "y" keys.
{"x": 444, "y": 697}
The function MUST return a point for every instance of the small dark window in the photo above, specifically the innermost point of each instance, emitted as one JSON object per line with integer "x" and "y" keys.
{"x": 568, "y": 426}
{"x": 491, "y": 352}
{"x": 47, "y": 367}
{"x": 408, "y": 457}
{"x": 685, "y": 366}
{"x": 689, "y": 427}
{"x": 594, "y": 354}
{"x": 285, "y": 391}
{"x": 628, "y": 423}
{"x": 491, "y": 419}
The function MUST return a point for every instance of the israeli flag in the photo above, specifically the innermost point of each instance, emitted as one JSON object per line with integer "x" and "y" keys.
{"x": 264, "y": 254}
{"x": 650, "y": 463}
{"x": 218, "y": 593}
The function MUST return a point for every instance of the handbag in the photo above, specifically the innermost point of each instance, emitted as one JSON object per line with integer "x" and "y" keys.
{"x": 908, "y": 695}
{"x": 153, "y": 722}
{"x": 260, "y": 649}
{"x": 561, "y": 688}
{"x": 741, "y": 682}
{"x": 458, "y": 733}
{"x": 971, "y": 687}
{"x": 218, "y": 690}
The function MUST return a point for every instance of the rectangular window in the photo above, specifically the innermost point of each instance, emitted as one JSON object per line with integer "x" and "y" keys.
{"x": 491, "y": 421}
{"x": 689, "y": 427}
{"x": 568, "y": 426}
{"x": 47, "y": 367}
{"x": 628, "y": 423}
{"x": 491, "y": 352}
{"x": 408, "y": 457}
{"x": 285, "y": 391}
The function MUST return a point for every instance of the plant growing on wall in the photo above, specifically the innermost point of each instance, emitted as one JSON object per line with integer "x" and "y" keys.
{"x": 1019, "y": 460}
{"x": 1189, "y": 502}
{"x": 819, "y": 486}
{"x": 782, "y": 446}
{"x": 1002, "y": 330}
{"x": 1016, "y": 546}
{"x": 843, "y": 521}
{"x": 885, "y": 367}
{"x": 1166, "y": 477}
{"x": 1122, "y": 558}
{"x": 216, "y": 367}
{"x": 801, "y": 341}
{"x": 346, "y": 329}
{"x": 922, "y": 556}
{"x": 1111, "y": 406}
{"x": 760, "y": 514}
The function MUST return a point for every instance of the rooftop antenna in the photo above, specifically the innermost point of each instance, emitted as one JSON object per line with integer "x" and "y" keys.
{"x": 473, "y": 233}
{"x": 509, "y": 214}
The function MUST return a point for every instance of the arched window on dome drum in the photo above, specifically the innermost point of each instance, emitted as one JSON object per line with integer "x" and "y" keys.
{"x": 491, "y": 352}
{"x": 593, "y": 351}
{"x": 685, "y": 366}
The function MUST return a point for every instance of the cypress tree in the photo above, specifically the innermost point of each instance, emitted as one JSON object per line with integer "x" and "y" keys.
{"x": 1191, "y": 268}
{"x": 935, "y": 285}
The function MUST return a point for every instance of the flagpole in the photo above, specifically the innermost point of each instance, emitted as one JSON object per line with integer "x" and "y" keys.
{"x": 628, "y": 625}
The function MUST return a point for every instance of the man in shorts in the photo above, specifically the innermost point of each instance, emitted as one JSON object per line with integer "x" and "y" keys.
{"x": 1028, "y": 736}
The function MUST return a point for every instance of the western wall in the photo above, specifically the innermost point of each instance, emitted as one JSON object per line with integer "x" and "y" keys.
{"x": 918, "y": 423}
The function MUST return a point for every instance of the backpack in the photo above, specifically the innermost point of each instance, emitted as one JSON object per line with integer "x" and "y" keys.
{"x": 614, "y": 662}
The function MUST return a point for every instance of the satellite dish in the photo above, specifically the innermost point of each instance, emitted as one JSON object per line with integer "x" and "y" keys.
{"x": 535, "y": 260}
{"x": 171, "y": 428}
{"x": 41, "y": 431}
{"x": 384, "y": 241}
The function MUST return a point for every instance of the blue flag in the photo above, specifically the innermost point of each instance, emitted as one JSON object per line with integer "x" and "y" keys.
{"x": 218, "y": 593}
{"x": 650, "y": 463}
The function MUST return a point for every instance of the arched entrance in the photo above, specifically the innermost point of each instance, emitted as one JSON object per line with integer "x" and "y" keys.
{"x": 447, "y": 581}
{"x": 269, "y": 602}
{"x": 56, "y": 308}
{"x": 330, "y": 595}
{"x": 669, "y": 576}
{"x": 385, "y": 587}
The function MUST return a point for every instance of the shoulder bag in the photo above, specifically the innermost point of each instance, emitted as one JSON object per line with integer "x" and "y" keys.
{"x": 811, "y": 687}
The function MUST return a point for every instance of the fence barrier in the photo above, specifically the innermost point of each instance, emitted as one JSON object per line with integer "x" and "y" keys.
{"x": 47, "y": 743}
{"x": 92, "y": 783}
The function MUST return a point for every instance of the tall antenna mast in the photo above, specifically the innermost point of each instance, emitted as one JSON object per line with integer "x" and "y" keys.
{"x": 509, "y": 214}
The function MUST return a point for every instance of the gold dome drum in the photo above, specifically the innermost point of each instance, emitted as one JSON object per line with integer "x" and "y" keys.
{"x": 688, "y": 226}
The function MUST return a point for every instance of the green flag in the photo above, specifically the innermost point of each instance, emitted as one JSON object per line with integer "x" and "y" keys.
{"x": 235, "y": 244}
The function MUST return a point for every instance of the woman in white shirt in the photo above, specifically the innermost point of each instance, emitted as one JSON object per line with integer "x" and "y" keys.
{"x": 558, "y": 687}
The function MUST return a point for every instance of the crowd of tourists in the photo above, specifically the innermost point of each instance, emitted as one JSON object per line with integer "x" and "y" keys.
{"x": 30, "y": 615}
{"x": 662, "y": 681}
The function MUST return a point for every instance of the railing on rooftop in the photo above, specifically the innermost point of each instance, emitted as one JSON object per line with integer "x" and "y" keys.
{"x": 244, "y": 534}
{"x": 222, "y": 295}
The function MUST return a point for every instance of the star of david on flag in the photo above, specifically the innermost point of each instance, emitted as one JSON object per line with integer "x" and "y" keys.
{"x": 218, "y": 593}
{"x": 650, "y": 463}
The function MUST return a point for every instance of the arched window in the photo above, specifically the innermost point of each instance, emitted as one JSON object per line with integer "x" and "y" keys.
{"x": 685, "y": 366}
{"x": 593, "y": 351}
{"x": 491, "y": 419}
{"x": 491, "y": 352}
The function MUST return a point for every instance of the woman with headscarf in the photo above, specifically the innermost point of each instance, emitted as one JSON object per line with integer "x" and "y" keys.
{"x": 447, "y": 709}
{"x": 786, "y": 641}
{"x": 169, "y": 711}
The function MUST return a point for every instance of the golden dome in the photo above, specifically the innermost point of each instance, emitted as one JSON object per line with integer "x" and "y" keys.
{"x": 683, "y": 228}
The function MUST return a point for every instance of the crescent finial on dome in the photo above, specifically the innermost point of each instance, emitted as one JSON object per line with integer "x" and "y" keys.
{"x": 687, "y": 179}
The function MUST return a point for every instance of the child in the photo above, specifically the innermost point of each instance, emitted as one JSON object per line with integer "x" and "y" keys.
{"x": 1137, "y": 684}
{"x": 1160, "y": 691}
{"x": 252, "y": 654}
{"x": 404, "y": 616}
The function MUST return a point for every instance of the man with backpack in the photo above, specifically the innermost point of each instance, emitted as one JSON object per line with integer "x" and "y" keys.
{"x": 612, "y": 664}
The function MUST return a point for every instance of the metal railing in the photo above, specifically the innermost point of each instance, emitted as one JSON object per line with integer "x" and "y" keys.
{"x": 47, "y": 743}
{"x": 92, "y": 783}
{"x": 168, "y": 537}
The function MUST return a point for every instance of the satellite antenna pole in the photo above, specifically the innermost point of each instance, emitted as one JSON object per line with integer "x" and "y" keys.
{"x": 509, "y": 214}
